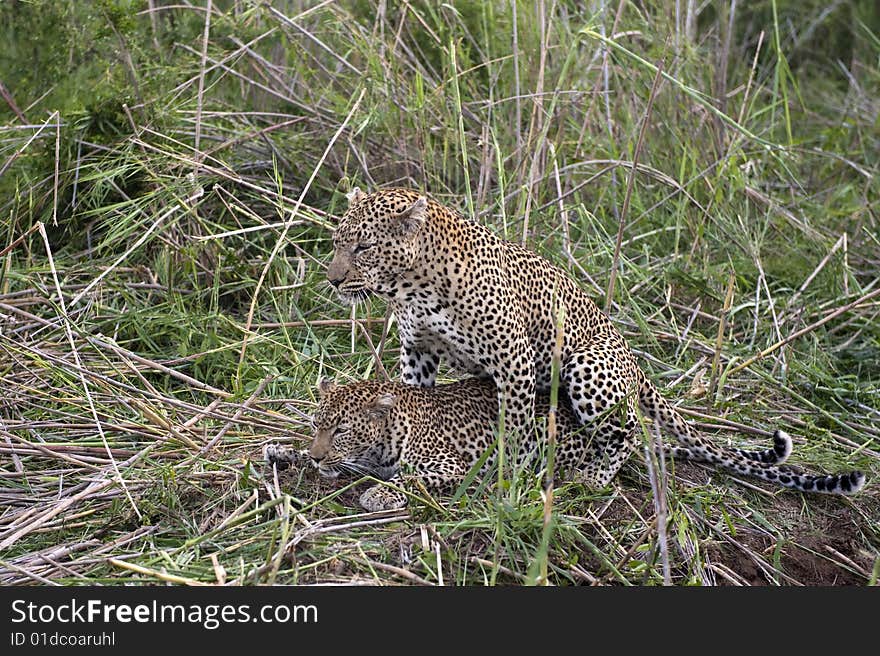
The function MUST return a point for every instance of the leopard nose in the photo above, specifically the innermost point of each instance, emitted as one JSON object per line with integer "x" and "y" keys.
{"x": 337, "y": 270}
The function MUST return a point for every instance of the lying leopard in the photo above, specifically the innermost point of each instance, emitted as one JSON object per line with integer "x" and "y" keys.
{"x": 490, "y": 308}
{"x": 382, "y": 429}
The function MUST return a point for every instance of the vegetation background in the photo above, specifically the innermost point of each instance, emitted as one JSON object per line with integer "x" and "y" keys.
{"x": 169, "y": 177}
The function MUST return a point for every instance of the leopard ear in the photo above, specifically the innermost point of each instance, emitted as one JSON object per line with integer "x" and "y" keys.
{"x": 410, "y": 221}
{"x": 355, "y": 196}
{"x": 326, "y": 385}
{"x": 382, "y": 406}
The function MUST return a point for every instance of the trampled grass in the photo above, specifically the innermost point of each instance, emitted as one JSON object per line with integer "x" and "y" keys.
{"x": 169, "y": 179}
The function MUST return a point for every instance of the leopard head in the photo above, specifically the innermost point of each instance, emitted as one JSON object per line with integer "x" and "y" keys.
{"x": 376, "y": 243}
{"x": 353, "y": 429}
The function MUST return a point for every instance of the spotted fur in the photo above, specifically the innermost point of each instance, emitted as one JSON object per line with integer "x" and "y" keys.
{"x": 489, "y": 307}
{"x": 385, "y": 428}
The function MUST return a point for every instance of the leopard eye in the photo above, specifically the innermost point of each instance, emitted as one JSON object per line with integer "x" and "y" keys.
{"x": 360, "y": 248}
{"x": 342, "y": 428}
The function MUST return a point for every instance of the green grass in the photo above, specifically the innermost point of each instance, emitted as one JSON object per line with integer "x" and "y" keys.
{"x": 170, "y": 368}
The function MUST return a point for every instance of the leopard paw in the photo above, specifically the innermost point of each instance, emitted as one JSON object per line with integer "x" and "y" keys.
{"x": 380, "y": 497}
{"x": 281, "y": 456}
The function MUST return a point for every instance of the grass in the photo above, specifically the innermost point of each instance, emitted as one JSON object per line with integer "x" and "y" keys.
{"x": 169, "y": 181}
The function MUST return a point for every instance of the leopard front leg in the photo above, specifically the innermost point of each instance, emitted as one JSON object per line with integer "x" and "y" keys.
{"x": 440, "y": 471}
{"x": 516, "y": 385}
{"x": 418, "y": 367}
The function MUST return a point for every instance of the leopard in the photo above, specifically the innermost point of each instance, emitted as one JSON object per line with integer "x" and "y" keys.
{"x": 389, "y": 429}
{"x": 491, "y": 308}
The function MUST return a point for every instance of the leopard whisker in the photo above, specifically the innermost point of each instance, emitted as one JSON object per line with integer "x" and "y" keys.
{"x": 357, "y": 467}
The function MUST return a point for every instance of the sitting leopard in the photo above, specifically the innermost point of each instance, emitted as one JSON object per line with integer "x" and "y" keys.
{"x": 490, "y": 308}
{"x": 382, "y": 429}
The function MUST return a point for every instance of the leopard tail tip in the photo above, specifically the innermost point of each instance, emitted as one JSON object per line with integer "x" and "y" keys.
{"x": 856, "y": 482}
{"x": 782, "y": 445}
